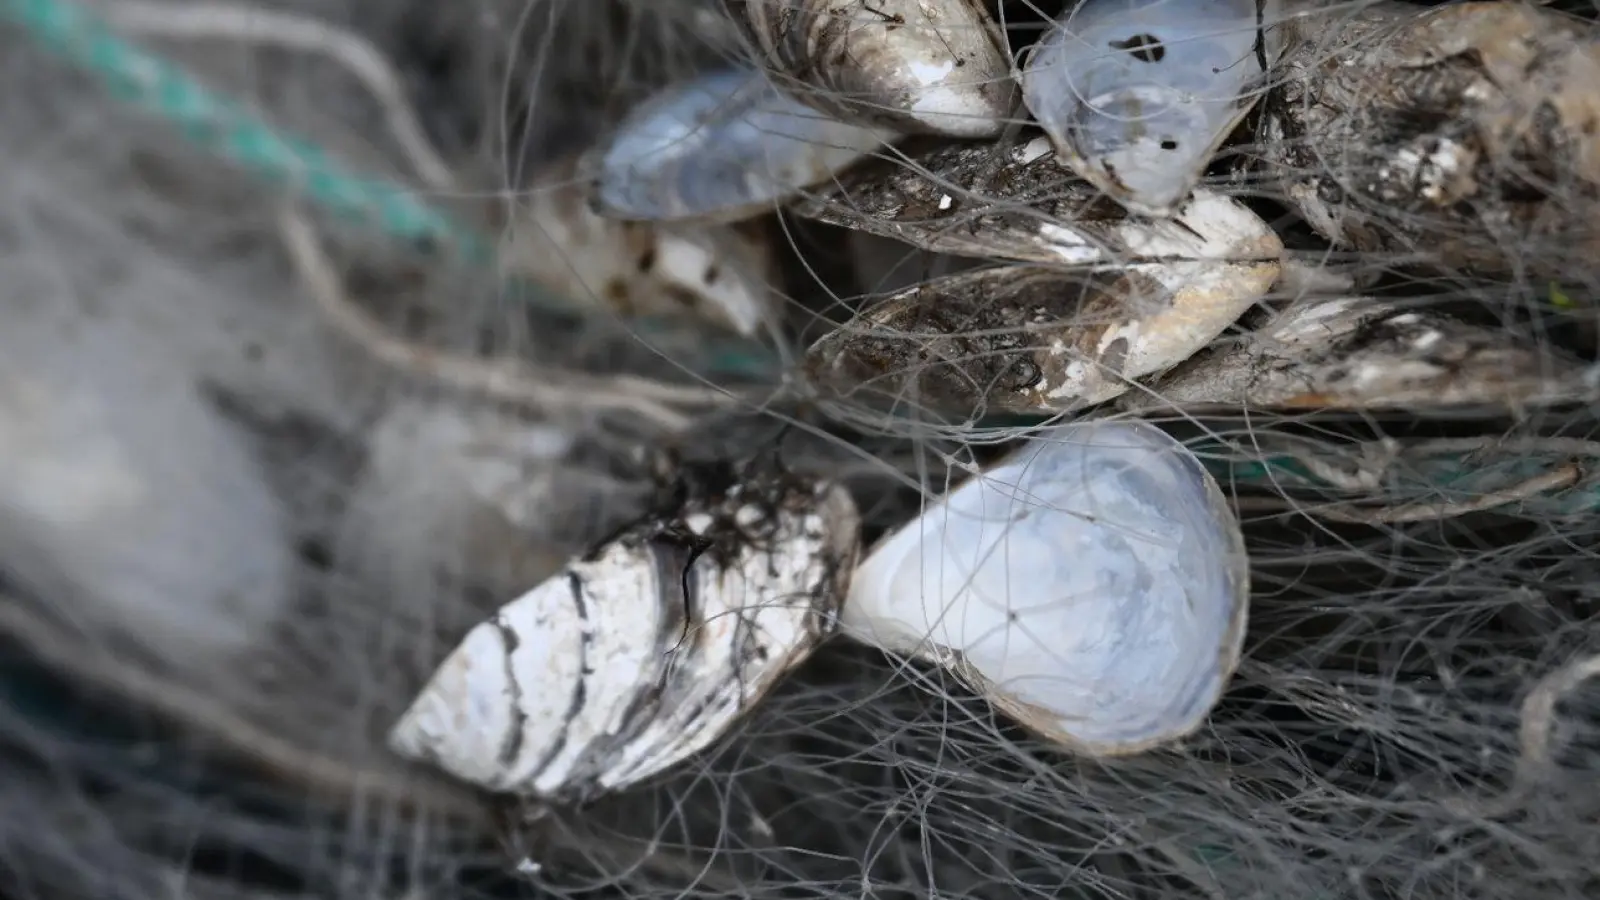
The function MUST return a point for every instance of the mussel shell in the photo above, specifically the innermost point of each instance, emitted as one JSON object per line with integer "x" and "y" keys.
{"x": 1033, "y": 339}
{"x": 643, "y": 653}
{"x": 724, "y": 146}
{"x": 1138, "y": 95}
{"x": 1361, "y": 353}
{"x": 1464, "y": 138}
{"x": 915, "y": 66}
{"x": 712, "y": 272}
{"x": 1094, "y": 586}
{"x": 1024, "y": 205}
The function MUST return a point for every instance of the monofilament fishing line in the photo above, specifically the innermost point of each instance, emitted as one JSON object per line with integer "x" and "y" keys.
{"x": 775, "y": 448}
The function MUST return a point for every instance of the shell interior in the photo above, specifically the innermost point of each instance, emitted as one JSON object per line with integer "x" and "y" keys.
{"x": 727, "y": 145}
{"x": 644, "y": 653}
{"x": 1094, "y": 586}
{"x": 1137, "y": 95}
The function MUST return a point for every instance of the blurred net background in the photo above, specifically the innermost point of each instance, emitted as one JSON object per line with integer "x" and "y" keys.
{"x": 226, "y": 265}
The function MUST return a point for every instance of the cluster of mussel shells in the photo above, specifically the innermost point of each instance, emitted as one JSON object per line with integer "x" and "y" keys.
{"x": 642, "y": 653}
{"x": 1102, "y": 267}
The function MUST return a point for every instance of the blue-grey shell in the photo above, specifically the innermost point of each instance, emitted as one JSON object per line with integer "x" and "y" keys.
{"x": 726, "y": 145}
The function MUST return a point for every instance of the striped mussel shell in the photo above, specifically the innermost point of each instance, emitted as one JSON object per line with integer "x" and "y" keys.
{"x": 915, "y": 66}
{"x": 643, "y": 653}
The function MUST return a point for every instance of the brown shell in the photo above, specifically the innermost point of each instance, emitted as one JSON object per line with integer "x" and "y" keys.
{"x": 916, "y": 66}
{"x": 1023, "y": 204}
{"x": 966, "y": 200}
{"x": 1464, "y": 137}
{"x": 1031, "y": 339}
{"x": 1359, "y": 353}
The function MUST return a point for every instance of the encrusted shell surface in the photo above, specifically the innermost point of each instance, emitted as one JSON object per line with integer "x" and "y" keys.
{"x": 1462, "y": 138}
{"x": 1361, "y": 353}
{"x": 1024, "y": 205}
{"x": 640, "y": 655}
{"x": 711, "y": 272}
{"x": 1094, "y": 585}
{"x": 1034, "y": 339}
{"x": 727, "y": 145}
{"x": 1137, "y": 95}
{"x": 935, "y": 66}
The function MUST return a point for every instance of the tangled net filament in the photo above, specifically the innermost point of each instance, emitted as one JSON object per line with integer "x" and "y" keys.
{"x": 1412, "y": 717}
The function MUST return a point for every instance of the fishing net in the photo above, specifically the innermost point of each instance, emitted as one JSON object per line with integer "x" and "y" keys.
{"x": 301, "y": 305}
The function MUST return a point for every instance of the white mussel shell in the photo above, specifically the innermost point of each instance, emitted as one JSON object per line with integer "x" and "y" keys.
{"x": 922, "y": 66}
{"x": 644, "y": 653}
{"x": 1094, "y": 586}
{"x": 724, "y": 146}
{"x": 1137, "y": 95}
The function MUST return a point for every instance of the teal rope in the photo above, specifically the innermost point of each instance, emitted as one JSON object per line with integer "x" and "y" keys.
{"x": 1445, "y": 478}
{"x": 161, "y": 88}
{"x": 164, "y": 90}
{"x": 156, "y": 86}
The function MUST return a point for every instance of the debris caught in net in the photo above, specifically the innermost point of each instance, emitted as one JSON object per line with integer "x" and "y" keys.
{"x": 1400, "y": 416}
